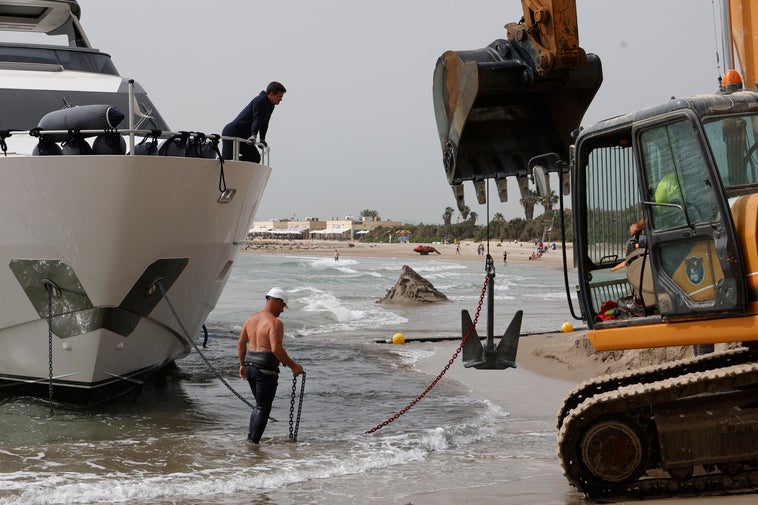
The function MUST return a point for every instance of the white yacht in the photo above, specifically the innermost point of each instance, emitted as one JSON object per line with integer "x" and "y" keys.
{"x": 110, "y": 260}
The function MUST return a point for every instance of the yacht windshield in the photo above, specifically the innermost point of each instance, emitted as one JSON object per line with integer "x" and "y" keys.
{"x": 68, "y": 59}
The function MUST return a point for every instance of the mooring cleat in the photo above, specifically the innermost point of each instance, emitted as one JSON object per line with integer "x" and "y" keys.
{"x": 489, "y": 357}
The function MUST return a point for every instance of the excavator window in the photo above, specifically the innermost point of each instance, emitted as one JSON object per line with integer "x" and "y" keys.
{"x": 665, "y": 176}
{"x": 678, "y": 184}
{"x": 734, "y": 143}
{"x": 612, "y": 204}
{"x": 682, "y": 197}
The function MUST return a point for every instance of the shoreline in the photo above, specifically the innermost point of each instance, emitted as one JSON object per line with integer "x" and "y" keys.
{"x": 567, "y": 357}
{"x": 518, "y": 252}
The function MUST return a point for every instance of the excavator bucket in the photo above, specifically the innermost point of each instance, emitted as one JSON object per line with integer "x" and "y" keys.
{"x": 488, "y": 356}
{"x": 497, "y": 107}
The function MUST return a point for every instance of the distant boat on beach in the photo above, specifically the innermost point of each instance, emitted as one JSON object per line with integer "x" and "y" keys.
{"x": 425, "y": 250}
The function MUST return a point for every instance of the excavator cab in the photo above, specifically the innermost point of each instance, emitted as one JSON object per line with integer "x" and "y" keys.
{"x": 687, "y": 169}
{"x": 499, "y": 106}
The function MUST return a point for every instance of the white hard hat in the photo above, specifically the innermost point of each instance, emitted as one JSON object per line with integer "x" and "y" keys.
{"x": 278, "y": 293}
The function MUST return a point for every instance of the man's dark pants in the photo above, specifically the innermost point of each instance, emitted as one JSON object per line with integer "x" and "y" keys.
{"x": 263, "y": 385}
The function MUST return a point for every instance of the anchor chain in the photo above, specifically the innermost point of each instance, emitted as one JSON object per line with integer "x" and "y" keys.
{"x": 53, "y": 290}
{"x": 293, "y": 432}
{"x": 50, "y": 346}
{"x": 201, "y": 354}
{"x": 444, "y": 370}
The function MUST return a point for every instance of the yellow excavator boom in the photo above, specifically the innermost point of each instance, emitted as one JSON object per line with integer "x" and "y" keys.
{"x": 743, "y": 26}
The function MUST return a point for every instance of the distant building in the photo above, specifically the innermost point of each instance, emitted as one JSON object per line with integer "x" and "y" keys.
{"x": 314, "y": 229}
{"x": 285, "y": 228}
{"x": 403, "y": 235}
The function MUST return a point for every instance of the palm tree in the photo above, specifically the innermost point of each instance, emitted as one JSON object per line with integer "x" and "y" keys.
{"x": 548, "y": 201}
{"x": 529, "y": 199}
{"x": 447, "y": 216}
{"x": 498, "y": 217}
{"x": 372, "y": 214}
{"x": 465, "y": 212}
{"x": 472, "y": 217}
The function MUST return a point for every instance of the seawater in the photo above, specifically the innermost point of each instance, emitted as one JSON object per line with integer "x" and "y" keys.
{"x": 182, "y": 440}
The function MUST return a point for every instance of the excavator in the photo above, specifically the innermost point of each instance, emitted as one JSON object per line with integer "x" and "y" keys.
{"x": 685, "y": 174}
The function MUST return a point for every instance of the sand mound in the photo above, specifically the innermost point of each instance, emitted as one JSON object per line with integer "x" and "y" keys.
{"x": 579, "y": 360}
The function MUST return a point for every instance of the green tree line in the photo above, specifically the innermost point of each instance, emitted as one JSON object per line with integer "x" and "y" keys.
{"x": 499, "y": 229}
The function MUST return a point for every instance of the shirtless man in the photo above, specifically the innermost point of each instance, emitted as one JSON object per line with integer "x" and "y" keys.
{"x": 260, "y": 350}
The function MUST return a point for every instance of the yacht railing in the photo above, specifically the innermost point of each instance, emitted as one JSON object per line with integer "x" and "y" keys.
{"x": 196, "y": 144}
{"x": 203, "y": 143}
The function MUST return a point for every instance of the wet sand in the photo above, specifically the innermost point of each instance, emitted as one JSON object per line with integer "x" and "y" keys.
{"x": 549, "y": 366}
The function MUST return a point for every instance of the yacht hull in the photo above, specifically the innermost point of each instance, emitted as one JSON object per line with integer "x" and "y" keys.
{"x": 109, "y": 263}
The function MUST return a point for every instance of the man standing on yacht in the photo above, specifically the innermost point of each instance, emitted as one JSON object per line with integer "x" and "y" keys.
{"x": 260, "y": 350}
{"x": 252, "y": 123}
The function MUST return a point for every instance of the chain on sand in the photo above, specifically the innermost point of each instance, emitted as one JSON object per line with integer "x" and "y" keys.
{"x": 444, "y": 370}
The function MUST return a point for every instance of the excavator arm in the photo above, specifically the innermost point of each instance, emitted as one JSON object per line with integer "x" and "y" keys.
{"x": 499, "y": 106}
{"x": 743, "y": 32}
{"x": 687, "y": 166}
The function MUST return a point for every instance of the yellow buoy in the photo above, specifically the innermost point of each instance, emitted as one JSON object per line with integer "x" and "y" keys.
{"x": 567, "y": 327}
{"x": 398, "y": 338}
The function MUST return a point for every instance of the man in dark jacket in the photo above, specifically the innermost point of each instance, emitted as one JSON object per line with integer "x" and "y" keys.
{"x": 252, "y": 123}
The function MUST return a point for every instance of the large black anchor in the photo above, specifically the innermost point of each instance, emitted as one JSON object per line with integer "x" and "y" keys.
{"x": 489, "y": 357}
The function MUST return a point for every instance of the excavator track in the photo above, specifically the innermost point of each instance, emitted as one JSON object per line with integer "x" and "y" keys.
{"x": 611, "y": 382}
{"x": 626, "y": 440}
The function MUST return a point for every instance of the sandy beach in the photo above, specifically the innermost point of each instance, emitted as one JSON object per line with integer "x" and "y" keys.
{"x": 549, "y": 367}
{"x": 518, "y": 252}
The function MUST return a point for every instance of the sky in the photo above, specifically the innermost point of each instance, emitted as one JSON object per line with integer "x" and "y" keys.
{"x": 356, "y": 130}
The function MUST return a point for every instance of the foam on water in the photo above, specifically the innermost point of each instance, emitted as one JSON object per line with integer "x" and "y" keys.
{"x": 275, "y": 466}
{"x": 186, "y": 443}
{"x": 331, "y": 263}
{"x": 410, "y": 356}
{"x": 327, "y": 313}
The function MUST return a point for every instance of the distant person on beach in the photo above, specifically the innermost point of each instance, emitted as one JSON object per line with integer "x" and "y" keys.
{"x": 336, "y": 255}
{"x": 260, "y": 351}
{"x": 505, "y": 257}
{"x": 252, "y": 124}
